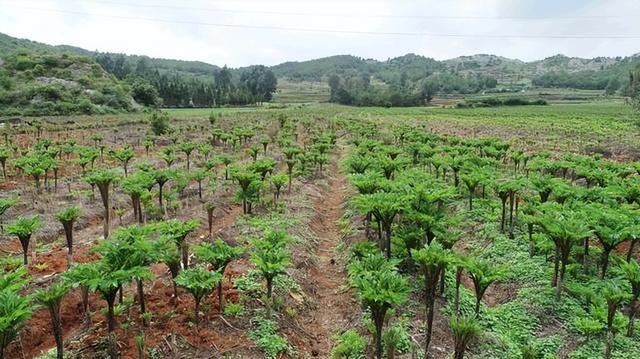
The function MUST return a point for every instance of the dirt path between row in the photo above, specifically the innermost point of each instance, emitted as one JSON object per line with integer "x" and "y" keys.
{"x": 334, "y": 307}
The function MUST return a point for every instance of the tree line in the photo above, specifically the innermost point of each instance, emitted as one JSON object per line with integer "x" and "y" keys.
{"x": 155, "y": 86}
{"x": 403, "y": 90}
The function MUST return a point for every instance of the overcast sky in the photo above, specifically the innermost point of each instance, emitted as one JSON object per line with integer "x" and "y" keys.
{"x": 190, "y": 29}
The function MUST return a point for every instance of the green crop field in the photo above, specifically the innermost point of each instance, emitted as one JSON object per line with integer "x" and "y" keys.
{"x": 510, "y": 229}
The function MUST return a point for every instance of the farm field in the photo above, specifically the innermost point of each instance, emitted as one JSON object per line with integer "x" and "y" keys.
{"x": 320, "y": 230}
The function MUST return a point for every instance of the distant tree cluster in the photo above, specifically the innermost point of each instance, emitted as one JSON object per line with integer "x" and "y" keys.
{"x": 634, "y": 88}
{"x": 156, "y": 85}
{"x": 403, "y": 90}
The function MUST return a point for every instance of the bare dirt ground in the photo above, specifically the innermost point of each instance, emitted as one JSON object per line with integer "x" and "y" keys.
{"x": 334, "y": 303}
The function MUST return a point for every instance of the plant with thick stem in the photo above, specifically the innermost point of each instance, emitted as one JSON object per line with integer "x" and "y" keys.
{"x": 169, "y": 254}
{"x": 384, "y": 206}
{"x": 432, "y": 259}
{"x": 161, "y": 177}
{"x": 178, "y": 232}
{"x": 5, "y": 204}
{"x": 263, "y": 167}
{"x": 614, "y": 296}
{"x": 33, "y": 165}
{"x": 103, "y": 180}
{"x": 610, "y": 227}
{"x": 210, "y": 207}
{"x": 168, "y": 156}
{"x": 15, "y": 308}
{"x": 87, "y": 155}
{"x": 265, "y": 141}
{"x": 464, "y": 329}
{"x": 68, "y": 217}
{"x": 278, "y": 181}
{"x": 226, "y": 161}
{"x": 544, "y": 185}
{"x": 427, "y": 207}
{"x": 483, "y": 274}
{"x": 51, "y": 298}
{"x": 187, "y": 148}
{"x": 218, "y": 254}
{"x": 129, "y": 248}
{"x": 204, "y": 149}
{"x": 249, "y": 183}
{"x": 566, "y": 225}
{"x": 136, "y": 186}
{"x": 124, "y": 155}
{"x": 271, "y": 257}
{"x": 199, "y": 282}
{"x": 4, "y": 156}
{"x": 108, "y": 281}
{"x": 23, "y": 228}
{"x": 471, "y": 181}
{"x": 253, "y": 152}
{"x": 630, "y": 270}
{"x": 81, "y": 275}
{"x": 199, "y": 176}
{"x": 380, "y": 288}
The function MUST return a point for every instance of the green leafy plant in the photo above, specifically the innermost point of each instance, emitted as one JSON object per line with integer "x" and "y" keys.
{"x": 23, "y": 228}
{"x": 218, "y": 254}
{"x": 271, "y": 257}
{"x": 349, "y": 345}
{"x": 68, "y": 217}
{"x": 199, "y": 282}
{"x": 51, "y": 298}
{"x": 432, "y": 259}
{"x": 464, "y": 329}
{"x": 103, "y": 180}
{"x": 380, "y": 287}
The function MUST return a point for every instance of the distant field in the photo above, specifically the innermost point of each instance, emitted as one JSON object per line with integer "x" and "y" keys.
{"x": 297, "y": 92}
{"x": 573, "y": 126}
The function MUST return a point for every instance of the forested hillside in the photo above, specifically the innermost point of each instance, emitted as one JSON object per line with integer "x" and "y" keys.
{"x": 407, "y": 80}
{"x": 35, "y": 84}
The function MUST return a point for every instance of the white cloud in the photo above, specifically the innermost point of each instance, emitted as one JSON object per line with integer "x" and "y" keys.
{"x": 38, "y": 20}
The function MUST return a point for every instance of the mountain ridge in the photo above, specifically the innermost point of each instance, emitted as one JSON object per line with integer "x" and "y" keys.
{"x": 558, "y": 62}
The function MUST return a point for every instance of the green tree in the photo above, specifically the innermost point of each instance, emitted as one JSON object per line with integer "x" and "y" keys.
{"x": 218, "y": 254}
{"x": 464, "y": 329}
{"x": 432, "y": 259}
{"x": 384, "y": 206}
{"x": 630, "y": 271}
{"x": 137, "y": 185}
{"x": 271, "y": 257}
{"x": 68, "y": 217}
{"x": 199, "y": 282}
{"x": 566, "y": 226}
{"x": 614, "y": 297}
{"x": 178, "y": 232}
{"x": 159, "y": 121}
{"x": 187, "y": 148}
{"x": 5, "y": 204}
{"x": 23, "y": 228}
{"x": 483, "y": 274}
{"x": 81, "y": 275}
{"x": 380, "y": 287}
{"x": 15, "y": 308}
{"x": 249, "y": 184}
{"x": 51, "y": 298}
{"x": 4, "y": 156}
{"x": 278, "y": 181}
{"x": 161, "y": 177}
{"x": 103, "y": 180}
{"x": 124, "y": 155}
{"x": 610, "y": 227}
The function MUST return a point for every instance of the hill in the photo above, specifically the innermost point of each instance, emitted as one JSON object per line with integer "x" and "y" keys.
{"x": 194, "y": 83}
{"x": 36, "y": 84}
